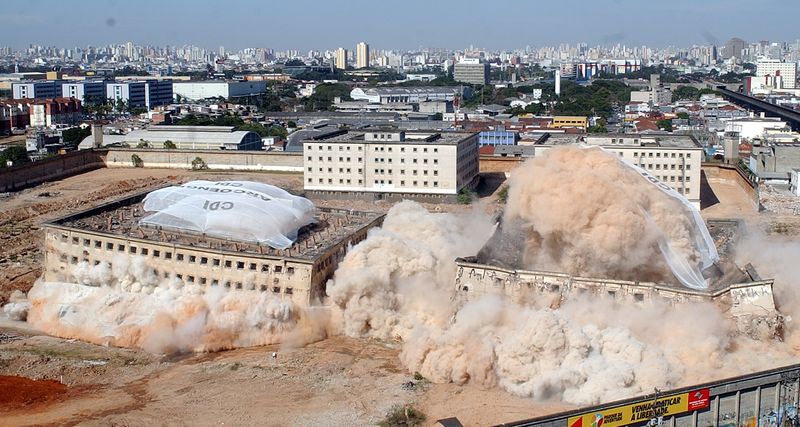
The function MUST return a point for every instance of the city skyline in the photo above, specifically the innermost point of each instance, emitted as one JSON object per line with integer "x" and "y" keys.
{"x": 306, "y": 25}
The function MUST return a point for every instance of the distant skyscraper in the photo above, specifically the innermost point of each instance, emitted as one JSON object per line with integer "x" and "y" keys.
{"x": 341, "y": 58}
{"x": 734, "y": 48}
{"x": 362, "y": 55}
{"x": 471, "y": 70}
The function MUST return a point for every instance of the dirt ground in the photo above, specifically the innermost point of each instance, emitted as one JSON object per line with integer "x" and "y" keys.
{"x": 339, "y": 381}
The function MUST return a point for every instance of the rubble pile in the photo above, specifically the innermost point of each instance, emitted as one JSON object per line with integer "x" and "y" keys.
{"x": 778, "y": 201}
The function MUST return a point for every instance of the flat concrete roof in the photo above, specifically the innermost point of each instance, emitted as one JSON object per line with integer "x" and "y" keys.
{"x": 411, "y": 137}
{"x": 645, "y": 140}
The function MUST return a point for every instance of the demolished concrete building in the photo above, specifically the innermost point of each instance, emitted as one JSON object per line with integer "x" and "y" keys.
{"x": 741, "y": 293}
{"x": 112, "y": 233}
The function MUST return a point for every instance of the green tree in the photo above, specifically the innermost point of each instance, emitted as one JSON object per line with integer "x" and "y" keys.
{"x": 15, "y": 154}
{"x": 121, "y": 106}
{"x": 169, "y": 145}
{"x": 291, "y": 124}
{"x": 664, "y": 125}
{"x": 143, "y": 144}
{"x": 683, "y": 115}
{"x": 324, "y": 95}
{"x": 685, "y": 93}
{"x": 199, "y": 164}
{"x": 502, "y": 195}
{"x": 465, "y": 196}
{"x": 137, "y": 161}
{"x": 74, "y": 136}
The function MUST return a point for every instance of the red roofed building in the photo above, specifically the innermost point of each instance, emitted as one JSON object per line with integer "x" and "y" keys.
{"x": 14, "y": 114}
{"x": 47, "y": 112}
{"x": 643, "y": 125}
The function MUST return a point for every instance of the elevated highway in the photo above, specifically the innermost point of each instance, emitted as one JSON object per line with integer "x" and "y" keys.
{"x": 772, "y": 110}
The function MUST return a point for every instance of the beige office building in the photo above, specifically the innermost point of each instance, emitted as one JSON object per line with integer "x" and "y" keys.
{"x": 673, "y": 159}
{"x": 381, "y": 161}
{"x": 362, "y": 55}
{"x": 341, "y": 58}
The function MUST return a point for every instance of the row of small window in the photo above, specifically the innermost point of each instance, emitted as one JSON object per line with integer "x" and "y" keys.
{"x": 374, "y": 182}
{"x": 377, "y": 160}
{"x": 330, "y": 181}
{"x": 658, "y": 155}
{"x": 375, "y": 148}
{"x": 379, "y": 148}
{"x": 377, "y": 171}
{"x": 403, "y": 183}
{"x": 666, "y": 178}
{"x": 216, "y": 262}
{"x": 403, "y": 172}
{"x": 330, "y": 148}
{"x": 657, "y": 166}
{"x": 341, "y": 159}
{"x": 190, "y": 278}
{"x": 637, "y": 296}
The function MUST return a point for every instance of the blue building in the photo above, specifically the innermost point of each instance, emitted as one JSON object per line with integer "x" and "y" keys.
{"x": 36, "y": 89}
{"x": 142, "y": 94}
{"x": 159, "y": 92}
{"x": 499, "y": 136}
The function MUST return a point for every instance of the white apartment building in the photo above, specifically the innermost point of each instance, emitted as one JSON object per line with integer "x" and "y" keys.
{"x": 381, "y": 161}
{"x": 783, "y": 75}
{"x": 673, "y": 159}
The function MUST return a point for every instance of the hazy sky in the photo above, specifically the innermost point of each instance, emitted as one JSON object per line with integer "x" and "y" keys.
{"x": 405, "y": 24}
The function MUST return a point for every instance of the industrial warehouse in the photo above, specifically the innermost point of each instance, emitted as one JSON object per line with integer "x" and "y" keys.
{"x": 298, "y": 273}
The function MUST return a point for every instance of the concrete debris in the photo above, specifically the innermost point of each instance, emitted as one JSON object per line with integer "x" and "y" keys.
{"x": 778, "y": 200}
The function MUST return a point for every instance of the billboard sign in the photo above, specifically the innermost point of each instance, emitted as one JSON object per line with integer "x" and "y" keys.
{"x": 643, "y": 412}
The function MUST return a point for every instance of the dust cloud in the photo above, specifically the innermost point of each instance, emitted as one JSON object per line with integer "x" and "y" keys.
{"x": 594, "y": 220}
{"x": 398, "y": 286}
{"x": 128, "y": 306}
{"x": 389, "y": 287}
{"x": 602, "y": 219}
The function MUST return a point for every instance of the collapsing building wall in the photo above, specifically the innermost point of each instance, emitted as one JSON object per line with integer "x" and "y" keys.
{"x": 751, "y": 305}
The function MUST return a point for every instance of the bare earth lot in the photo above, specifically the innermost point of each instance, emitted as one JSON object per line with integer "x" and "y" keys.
{"x": 339, "y": 381}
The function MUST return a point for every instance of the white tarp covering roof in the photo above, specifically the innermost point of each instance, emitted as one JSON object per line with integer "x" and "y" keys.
{"x": 690, "y": 275}
{"x": 236, "y": 210}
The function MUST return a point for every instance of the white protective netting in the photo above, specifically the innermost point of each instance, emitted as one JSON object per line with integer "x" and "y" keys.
{"x": 690, "y": 275}
{"x": 236, "y": 210}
